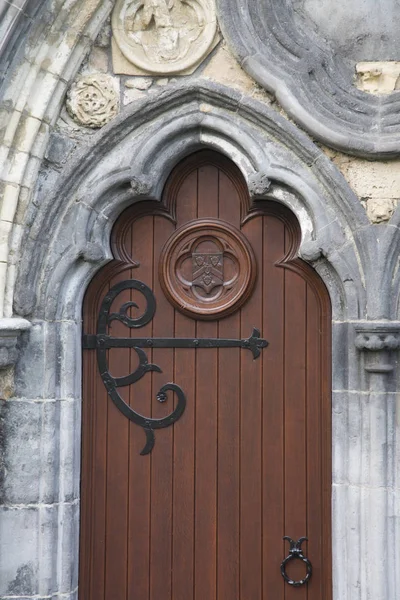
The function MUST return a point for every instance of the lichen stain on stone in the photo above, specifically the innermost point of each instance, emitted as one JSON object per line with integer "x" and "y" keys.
{"x": 4, "y": 406}
{"x": 23, "y": 582}
{"x": 7, "y": 383}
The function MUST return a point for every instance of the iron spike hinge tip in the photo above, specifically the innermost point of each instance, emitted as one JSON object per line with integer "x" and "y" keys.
{"x": 255, "y": 342}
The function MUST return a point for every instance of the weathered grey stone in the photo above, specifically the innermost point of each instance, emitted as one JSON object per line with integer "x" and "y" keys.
{"x": 278, "y": 44}
{"x": 67, "y": 241}
{"x": 59, "y": 148}
{"x": 21, "y": 452}
{"x": 68, "y": 576}
{"x": 130, "y": 95}
{"x": 33, "y": 377}
{"x": 139, "y": 83}
{"x": 258, "y": 184}
{"x": 92, "y": 253}
{"x": 362, "y": 30}
{"x": 20, "y": 530}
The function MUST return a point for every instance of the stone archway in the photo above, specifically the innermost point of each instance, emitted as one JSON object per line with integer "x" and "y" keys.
{"x": 68, "y": 241}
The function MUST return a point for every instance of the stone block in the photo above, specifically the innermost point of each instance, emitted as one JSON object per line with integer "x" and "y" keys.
{"x": 70, "y": 449}
{"x": 41, "y": 94}
{"x": 26, "y": 133}
{"x": 380, "y": 210}
{"x": 371, "y": 179}
{"x": 139, "y": 83}
{"x": 104, "y": 37}
{"x": 15, "y": 167}
{"x": 225, "y": 69}
{"x": 378, "y": 77}
{"x": 98, "y": 60}
{"x": 7, "y": 383}
{"x": 69, "y": 548}
{"x": 130, "y": 95}
{"x": 346, "y": 543}
{"x": 70, "y": 357}
{"x": 36, "y": 370}
{"x": 340, "y": 359}
{"x": 9, "y": 203}
{"x": 59, "y": 149}
{"x": 20, "y": 531}
{"x": 30, "y": 451}
{"x": 10, "y": 126}
{"x": 340, "y": 427}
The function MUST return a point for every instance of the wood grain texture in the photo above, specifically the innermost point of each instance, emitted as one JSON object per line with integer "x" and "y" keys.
{"x": 203, "y": 515}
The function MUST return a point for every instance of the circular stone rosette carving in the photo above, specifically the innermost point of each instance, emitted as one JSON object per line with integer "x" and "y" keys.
{"x": 93, "y": 100}
{"x": 207, "y": 269}
{"x": 164, "y": 36}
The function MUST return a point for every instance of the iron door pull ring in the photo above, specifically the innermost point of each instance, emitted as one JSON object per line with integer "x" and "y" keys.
{"x": 295, "y": 552}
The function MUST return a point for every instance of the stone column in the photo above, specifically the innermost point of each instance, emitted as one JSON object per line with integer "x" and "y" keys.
{"x": 364, "y": 465}
{"x": 40, "y": 425}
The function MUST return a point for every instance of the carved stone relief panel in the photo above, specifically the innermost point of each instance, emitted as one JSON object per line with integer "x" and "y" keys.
{"x": 207, "y": 269}
{"x": 312, "y": 55}
{"x": 93, "y": 100}
{"x": 162, "y": 36}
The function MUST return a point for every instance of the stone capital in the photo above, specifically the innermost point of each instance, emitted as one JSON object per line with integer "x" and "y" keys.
{"x": 377, "y": 335}
{"x": 379, "y": 340}
{"x": 10, "y": 330}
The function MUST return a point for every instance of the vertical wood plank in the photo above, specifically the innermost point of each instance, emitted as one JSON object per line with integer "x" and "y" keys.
{"x": 138, "y": 566}
{"x": 228, "y": 506}
{"x": 162, "y": 468}
{"x": 206, "y": 426}
{"x": 117, "y": 462}
{"x": 295, "y": 461}
{"x": 315, "y": 498}
{"x": 273, "y": 416}
{"x": 94, "y": 461}
{"x": 183, "y": 491}
{"x": 251, "y": 520}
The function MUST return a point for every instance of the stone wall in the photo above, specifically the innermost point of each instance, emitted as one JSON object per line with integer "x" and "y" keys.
{"x": 375, "y": 182}
{"x": 79, "y": 143}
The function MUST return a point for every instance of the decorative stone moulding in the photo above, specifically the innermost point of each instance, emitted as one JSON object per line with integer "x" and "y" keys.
{"x": 207, "y": 269}
{"x": 379, "y": 340}
{"x": 93, "y": 100}
{"x": 306, "y": 52}
{"x": 378, "y": 336}
{"x": 162, "y": 37}
{"x": 10, "y": 330}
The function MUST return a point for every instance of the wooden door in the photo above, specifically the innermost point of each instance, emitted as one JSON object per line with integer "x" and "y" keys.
{"x": 195, "y": 506}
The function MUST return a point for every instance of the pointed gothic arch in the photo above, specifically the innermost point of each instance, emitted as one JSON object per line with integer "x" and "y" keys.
{"x": 68, "y": 241}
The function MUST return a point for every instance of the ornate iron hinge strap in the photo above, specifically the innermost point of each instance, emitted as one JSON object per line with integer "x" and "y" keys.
{"x": 101, "y": 342}
{"x": 296, "y": 553}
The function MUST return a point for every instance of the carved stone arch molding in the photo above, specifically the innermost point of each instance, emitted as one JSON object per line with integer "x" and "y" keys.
{"x": 305, "y": 52}
{"x": 66, "y": 243}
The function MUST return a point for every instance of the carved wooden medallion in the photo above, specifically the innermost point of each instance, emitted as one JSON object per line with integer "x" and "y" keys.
{"x": 207, "y": 269}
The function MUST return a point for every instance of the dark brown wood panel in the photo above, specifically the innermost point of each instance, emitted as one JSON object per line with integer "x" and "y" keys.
{"x": 205, "y": 548}
{"x": 202, "y": 516}
{"x": 184, "y": 437}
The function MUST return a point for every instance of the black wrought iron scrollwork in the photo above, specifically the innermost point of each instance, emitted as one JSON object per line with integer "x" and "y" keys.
{"x": 296, "y": 553}
{"x": 101, "y": 342}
